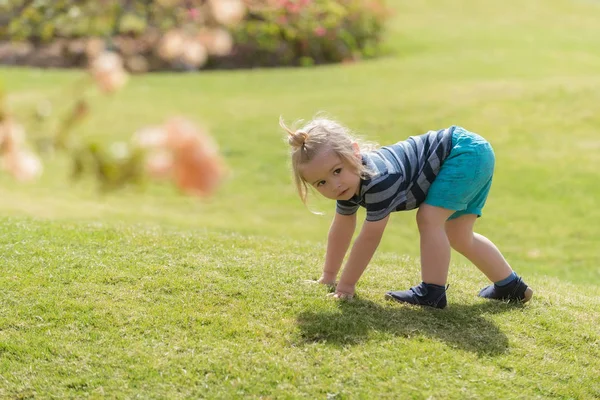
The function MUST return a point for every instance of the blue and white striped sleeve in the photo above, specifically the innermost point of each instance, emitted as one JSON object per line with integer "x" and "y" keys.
{"x": 346, "y": 207}
{"x": 381, "y": 199}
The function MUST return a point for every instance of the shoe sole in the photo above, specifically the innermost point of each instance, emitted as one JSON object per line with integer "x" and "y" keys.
{"x": 527, "y": 295}
{"x": 392, "y": 298}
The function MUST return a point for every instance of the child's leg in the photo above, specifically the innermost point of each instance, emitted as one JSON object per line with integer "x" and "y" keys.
{"x": 435, "y": 246}
{"x": 486, "y": 256}
{"x": 477, "y": 248}
{"x": 435, "y": 259}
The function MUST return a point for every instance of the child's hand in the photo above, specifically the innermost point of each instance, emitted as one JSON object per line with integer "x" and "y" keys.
{"x": 330, "y": 284}
{"x": 343, "y": 292}
{"x": 341, "y": 296}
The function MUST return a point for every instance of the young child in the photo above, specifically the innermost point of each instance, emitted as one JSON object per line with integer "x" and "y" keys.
{"x": 446, "y": 174}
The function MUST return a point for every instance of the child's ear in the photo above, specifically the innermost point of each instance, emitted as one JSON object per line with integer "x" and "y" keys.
{"x": 356, "y": 150}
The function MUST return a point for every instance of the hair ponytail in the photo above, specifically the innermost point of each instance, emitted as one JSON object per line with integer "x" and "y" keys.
{"x": 296, "y": 139}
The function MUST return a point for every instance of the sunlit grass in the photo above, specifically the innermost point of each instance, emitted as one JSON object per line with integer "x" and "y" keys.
{"x": 151, "y": 294}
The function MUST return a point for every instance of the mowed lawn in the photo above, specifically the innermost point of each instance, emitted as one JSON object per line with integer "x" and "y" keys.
{"x": 151, "y": 294}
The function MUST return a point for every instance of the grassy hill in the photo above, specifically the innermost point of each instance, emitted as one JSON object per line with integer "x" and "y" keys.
{"x": 155, "y": 295}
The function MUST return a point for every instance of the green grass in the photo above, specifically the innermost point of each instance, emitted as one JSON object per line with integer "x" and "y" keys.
{"x": 155, "y": 295}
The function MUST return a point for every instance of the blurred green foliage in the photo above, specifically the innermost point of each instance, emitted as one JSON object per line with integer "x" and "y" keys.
{"x": 311, "y": 32}
{"x": 44, "y": 20}
{"x": 273, "y": 32}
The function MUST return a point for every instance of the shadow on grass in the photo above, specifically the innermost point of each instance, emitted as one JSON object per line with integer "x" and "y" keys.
{"x": 459, "y": 326}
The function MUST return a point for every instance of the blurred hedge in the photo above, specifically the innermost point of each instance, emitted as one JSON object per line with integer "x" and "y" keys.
{"x": 189, "y": 35}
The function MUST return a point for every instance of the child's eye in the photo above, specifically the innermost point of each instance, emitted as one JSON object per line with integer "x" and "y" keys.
{"x": 337, "y": 171}
{"x": 320, "y": 183}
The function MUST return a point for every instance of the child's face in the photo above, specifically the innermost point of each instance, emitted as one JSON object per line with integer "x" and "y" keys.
{"x": 333, "y": 177}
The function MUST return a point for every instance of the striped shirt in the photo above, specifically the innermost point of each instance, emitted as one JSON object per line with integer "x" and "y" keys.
{"x": 402, "y": 175}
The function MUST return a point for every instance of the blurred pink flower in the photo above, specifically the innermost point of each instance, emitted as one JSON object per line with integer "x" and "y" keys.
{"x": 108, "y": 72}
{"x": 150, "y": 137}
{"x": 160, "y": 164}
{"x": 94, "y": 47}
{"x": 193, "y": 13}
{"x": 320, "y": 31}
{"x": 194, "y": 53}
{"x": 22, "y": 164}
{"x": 217, "y": 41}
{"x": 292, "y": 6}
{"x": 228, "y": 12}
{"x": 12, "y": 136}
{"x": 181, "y": 151}
{"x": 197, "y": 165}
{"x": 171, "y": 45}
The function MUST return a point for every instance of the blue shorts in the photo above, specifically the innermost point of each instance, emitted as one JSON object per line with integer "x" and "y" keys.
{"x": 465, "y": 177}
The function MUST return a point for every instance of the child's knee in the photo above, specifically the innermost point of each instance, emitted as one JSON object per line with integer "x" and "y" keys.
{"x": 460, "y": 242}
{"x": 430, "y": 217}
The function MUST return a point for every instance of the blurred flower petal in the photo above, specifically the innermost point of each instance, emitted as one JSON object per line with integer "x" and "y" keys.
{"x": 108, "y": 72}
{"x": 94, "y": 47}
{"x": 195, "y": 54}
{"x": 12, "y": 136}
{"x": 227, "y": 12}
{"x": 22, "y": 165}
{"x": 171, "y": 45}
{"x": 181, "y": 133}
{"x": 187, "y": 154}
{"x": 199, "y": 173}
{"x": 217, "y": 42}
{"x": 150, "y": 137}
{"x": 197, "y": 164}
{"x": 160, "y": 165}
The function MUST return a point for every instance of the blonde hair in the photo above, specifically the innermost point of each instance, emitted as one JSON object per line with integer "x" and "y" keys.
{"x": 316, "y": 135}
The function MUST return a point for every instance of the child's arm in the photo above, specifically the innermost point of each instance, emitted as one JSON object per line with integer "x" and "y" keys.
{"x": 363, "y": 249}
{"x": 338, "y": 241}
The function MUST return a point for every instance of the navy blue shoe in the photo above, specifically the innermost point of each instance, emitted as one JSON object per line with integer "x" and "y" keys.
{"x": 424, "y": 294}
{"x": 517, "y": 290}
